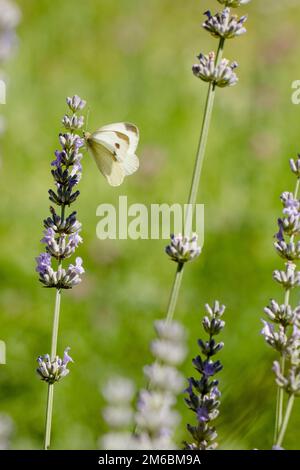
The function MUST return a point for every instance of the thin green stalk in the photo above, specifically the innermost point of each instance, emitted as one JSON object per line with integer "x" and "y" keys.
{"x": 280, "y": 391}
{"x": 194, "y": 189}
{"x": 49, "y": 406}
{"x": 297, "y": 188}
{"x": 175, "y": 292}
{"x": 49, "y": 409}
{"x": 204, "y": 132}
{"x": 55, "y": 326}
{"x": 280, "y": 400}
{"x": 195, "y": 183}
{"x": 285, "y": 423}
{"x": 170, "y": 311}
{"x": 282, "y": 363}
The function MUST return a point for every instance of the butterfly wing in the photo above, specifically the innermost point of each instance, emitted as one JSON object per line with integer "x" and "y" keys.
{"x": 106, "y": 162}
{"x": 113, "y": 147}
{"x": 116, "y": 142}
{"x": 127, "y": 129}
{"x": 130, "y": 164}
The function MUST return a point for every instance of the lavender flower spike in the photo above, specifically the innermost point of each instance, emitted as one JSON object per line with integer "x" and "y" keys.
{"x": 183, "y": 249}
{"x": 6, "y": 431}
{"x": 221, "y": 75}
{"x": 9, "y": 19}
{"x": 61, "y": 238}
{"x": 52, "y": 371}
{"x": 203, "y": 395}
{"x": 222, "y": 25}
{"x": 118, "y": 414}
{"x": 62, "y": 234}
{"x": 281, "y": 331}
{"x": 10, "y": 16}
{"x": 156, "y": 418}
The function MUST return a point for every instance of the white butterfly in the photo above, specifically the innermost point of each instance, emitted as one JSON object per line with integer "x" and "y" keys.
{"x": 113, "y": 148}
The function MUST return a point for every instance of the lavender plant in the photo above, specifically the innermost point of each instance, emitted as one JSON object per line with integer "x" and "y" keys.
{"x": 217, "y": 72}
{"x": 61, "y": 239}
{"x": 118, "y": 414}
{"x": 10, "y": 16}
{"x": 9, "y": 20}
{"x": 156, "y": 418}
{"x": 282, "y": 328}
{"x": 204, "y": 394}
{"x": 6, "y": 431}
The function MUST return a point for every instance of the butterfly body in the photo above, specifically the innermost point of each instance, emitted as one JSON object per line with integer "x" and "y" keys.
{"x": 113, "y": 148}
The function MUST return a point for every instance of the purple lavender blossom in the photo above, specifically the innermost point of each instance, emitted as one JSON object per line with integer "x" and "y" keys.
{"x": 55, "y": 370}
{"x": 182, "y": 248}
{"x": 78, "y": 269}
{"x": 62, "y": 233}
{"x": 49, "y": 233}
{"x": 156, "y": 417}
{"x": 9, "y": 19}
{"x": 10, "y": 16}
{"x": 290, "y": 204}
{"x": 67, "y": 358}
{"x": 221, "y": 74}
{"x": 43, "y": 263}
{"x": 203, "y": 394}
{"x": 75, "y": 239}
{"x": 60, "y": 157}
{"x": 75, "y": 103}
{"x": 222, "y": 25}
{"x": 202, "y": 414}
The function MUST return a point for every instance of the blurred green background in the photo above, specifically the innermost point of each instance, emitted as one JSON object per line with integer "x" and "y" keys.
{"x": 131, "y": 60}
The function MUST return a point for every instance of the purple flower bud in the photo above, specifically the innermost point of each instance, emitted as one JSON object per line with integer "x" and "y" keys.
{"x": 78, "y": 266}
{"x": 43, "y": 263}
{"x": 222, "y": 25}
{"x": 202, "y": 414}
{"x": 67, "y": 358}
{"x": 183, "y": 249}
{"x": 53, "y": 371}
{"x": 75, "y": 103}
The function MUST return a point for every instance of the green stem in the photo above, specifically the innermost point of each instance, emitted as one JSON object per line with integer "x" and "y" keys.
{"x": 204, "y": 132}
{"x": 55, "y": 326}
{"x": 297, "y": 188}
{"x": 49, "y": 409}
{"x": 195, "y": 182}
{"x": 175, "y": 292}
{"x": 281, "y": 397}
{"x": 49, "y": 406}
{"x": 280, "y": 391}
{"x": 285, "y": 423}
